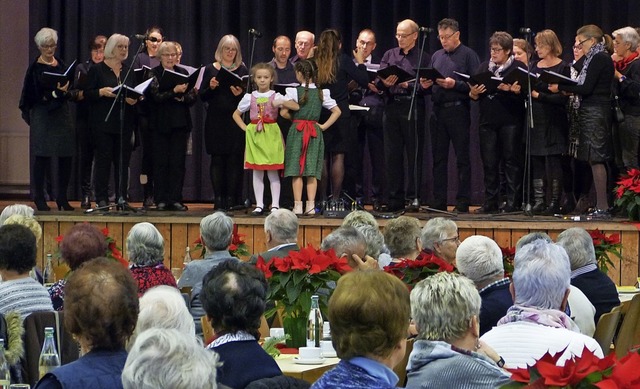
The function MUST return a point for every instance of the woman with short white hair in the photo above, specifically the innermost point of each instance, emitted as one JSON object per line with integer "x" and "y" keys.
{"x": 440, "y": 237}
{"x": 15, "y": 209}
{"x": 145, "y": 246}
{"x": 448, "y": 351}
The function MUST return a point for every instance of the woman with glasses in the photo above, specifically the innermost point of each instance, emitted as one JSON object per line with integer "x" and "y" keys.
{"x": 224, "y": 141}
{"x": 549, "y": 134}
{"x": 113, "y": 143}
{"x": 45, "y": 109}
{"x": 170, "y": 123}
{"x": 501, "y": 125}
{"x": 594, "y": 116}
{"x": 440, "y": 237}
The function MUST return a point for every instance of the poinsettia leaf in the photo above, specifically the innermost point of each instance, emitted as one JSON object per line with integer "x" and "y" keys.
{"x": 293, "y": 292}
{"x": 298, "y": 276}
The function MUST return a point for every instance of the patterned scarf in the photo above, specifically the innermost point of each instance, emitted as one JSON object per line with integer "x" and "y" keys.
{"x": 546, "y": 317}
{"x": 498, "y": 69}
{"x": 595, "y": 49}
{"x": 239, "y": 336}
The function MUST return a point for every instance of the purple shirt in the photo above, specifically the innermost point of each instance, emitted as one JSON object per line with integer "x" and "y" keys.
{"x": 462, "y": 59}
{"x": 406, "y": 62}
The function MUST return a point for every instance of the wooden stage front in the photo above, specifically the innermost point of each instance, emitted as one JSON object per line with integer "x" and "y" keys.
{"x": 181, "y": 229}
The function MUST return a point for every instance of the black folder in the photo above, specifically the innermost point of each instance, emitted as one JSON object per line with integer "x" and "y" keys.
{"x": 402, "y": 74}
{"x": 50, "y": 80}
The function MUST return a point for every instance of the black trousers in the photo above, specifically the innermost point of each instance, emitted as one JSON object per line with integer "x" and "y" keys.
{"x": 368, "y": 127}
{"x": 451, "y": 125}
{"x": 169, "y": 164}
{"x": 41, "y": 166}
{"x": 107, "y": 153}
{"x": 85, "y": 153}
{"x": 403, "y": 137}
{"x": 502, "y": 142}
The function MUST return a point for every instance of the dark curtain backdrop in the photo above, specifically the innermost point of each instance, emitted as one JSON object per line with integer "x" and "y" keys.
{"x": 198, "y": 25}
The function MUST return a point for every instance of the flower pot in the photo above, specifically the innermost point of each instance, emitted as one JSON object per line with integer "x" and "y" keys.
{"x": 296, "y": 328}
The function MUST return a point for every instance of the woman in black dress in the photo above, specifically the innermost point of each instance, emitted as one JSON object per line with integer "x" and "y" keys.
{"x": 170, "y": 123}
{"x": 594, "y": 91}
{"x": 224, "y": 141}
{"x": 45, "y": 109}
{"x": 112, "y": 146}
{"x": 549, "y": 135}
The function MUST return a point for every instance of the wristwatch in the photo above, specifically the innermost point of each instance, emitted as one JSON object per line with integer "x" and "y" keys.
{"x": 622, "y": 78}
{"x": 500, "y": 363}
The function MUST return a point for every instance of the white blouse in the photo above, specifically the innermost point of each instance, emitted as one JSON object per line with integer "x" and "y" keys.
{"x": 327, "y": 101}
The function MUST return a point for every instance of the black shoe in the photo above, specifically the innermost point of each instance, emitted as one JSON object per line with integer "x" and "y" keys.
{"x": 41, "y": 205}
{"x": 148, "y": 202}
{"x": 86, "y": 202}
{"x": 391, "y": 208}
{"x": 488, "y": 209}
{"x": 600, "y": 214}
{"x": 64, "y": 205}
{"x": 161, "y": 206}
{"x": 102, "y": 203}
{"x": 259, "y": 211}
{"x": 178, "y": 206}
{"x": 509, "y": 209}
{"x": 461, "y": 208}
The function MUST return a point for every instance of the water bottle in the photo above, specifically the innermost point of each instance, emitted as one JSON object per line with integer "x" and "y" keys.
{"x": 49, "y": 275}
{"x": 5, "y": 375}
{"x": 315, "y": 323}
{"x": 49, "y": 358}
{"x": 187, "y": 257}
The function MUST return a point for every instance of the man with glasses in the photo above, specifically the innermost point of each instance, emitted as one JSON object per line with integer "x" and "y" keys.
{"x": 451, "y": 118}
{"x": 304, "y": 43}
{"x": 401, "y": 135}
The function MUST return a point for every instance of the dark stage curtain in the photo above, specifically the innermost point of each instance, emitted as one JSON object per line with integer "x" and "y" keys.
{"x": 198, "y": 25}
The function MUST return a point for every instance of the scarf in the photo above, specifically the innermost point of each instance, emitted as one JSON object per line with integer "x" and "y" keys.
{"x": 546, "y": 317}
{"x": 595, "y": 49}
{"x": 624, "y": 62}
{"x": 239, "y": 336}
{"x": 498, "y": 69}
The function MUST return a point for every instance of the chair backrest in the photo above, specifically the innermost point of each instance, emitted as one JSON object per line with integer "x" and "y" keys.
{"x": 629, "y": 334}
{"x": 207, "y": 330}
{"x": 34, "y": 325}
{"x": 264, "y": 328}
{"x": 401, "y": 368}
{"x": 606, "y": 329}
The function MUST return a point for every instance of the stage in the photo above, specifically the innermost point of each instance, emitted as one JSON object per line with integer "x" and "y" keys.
{"x": 181, "y": 229}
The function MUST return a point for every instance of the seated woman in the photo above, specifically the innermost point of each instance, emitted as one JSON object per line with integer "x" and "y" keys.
{"x": 145, "y": 246}
{"x": 101, "y": 307}
{"x": 402, "y": 236}
{"x": 163, "y": 358}
{"x": 448, "y": 352}
{"x": 32, "y": 224}
{"x": 15, "y": 209}
{"x": 364, "y": 222}
{"x": 18, "y": 291}
{"x": 440, "y": 238}
{"x": 369, "y": 312}
{"x": 233, "y": 296}
{"x": 82, "y": 243}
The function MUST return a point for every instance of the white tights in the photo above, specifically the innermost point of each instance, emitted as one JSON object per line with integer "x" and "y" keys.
{"x": 258, "y": 187}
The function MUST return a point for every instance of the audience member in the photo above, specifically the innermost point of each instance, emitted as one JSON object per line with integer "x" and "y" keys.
{"x": 536, "y": 323}
{"x": 233, "y": 297}
{"x": 440, "y": 238}
{"x": 18, "y": 291}
{"x": 585, "y": 275}
{"x": 82, "y": 243}
{"x": 101, "y": 308}
{"x": 448, "y": 352}
{"x": 145, "y": 246}
{"x": 364, "y": 222}
{"x": 402, "y": 236}
{"x": 480, "y": 259}
{"x": 163, "y": 358}
{"x": 215, "y": 232}
{"x": 15, "y": 209}
{"x": 350, "y": 243}
{"x": 281, "y": 234}
{"x": 368, "y": 312}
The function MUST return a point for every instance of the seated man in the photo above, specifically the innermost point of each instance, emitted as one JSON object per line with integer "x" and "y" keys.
{"x": 480, "y": 259}
{"x": 368, "y": 312}
{"x": 350, "y": 243}
{"x": 536, "y": 323}
{"x": 18, "y": 291}
{"x": 281, "y": 234}
{"x": 585, "y": 275}
{"x": 216, "y": 231}
{"x": 233, "y": 295}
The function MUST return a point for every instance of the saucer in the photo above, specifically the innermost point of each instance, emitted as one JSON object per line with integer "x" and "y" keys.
{"x": 329, "y": 354}
{"x": 310, "y": 361}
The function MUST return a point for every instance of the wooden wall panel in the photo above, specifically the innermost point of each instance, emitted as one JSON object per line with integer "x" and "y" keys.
{"x": 629, "y": 265}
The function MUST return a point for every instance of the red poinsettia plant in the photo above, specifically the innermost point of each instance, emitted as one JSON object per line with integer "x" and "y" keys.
{"x": 586, "y": 371}
{"x": 412, "y": 271}
{"x": 628, "y": 194}
{"x": 508, "y": 254}
{"x": 238, "y": 247}
{"x": 605, "y": 245}
{"x": 113, "y": 251}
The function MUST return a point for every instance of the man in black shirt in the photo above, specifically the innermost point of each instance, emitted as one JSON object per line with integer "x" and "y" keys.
{"x": 451, "y": 118}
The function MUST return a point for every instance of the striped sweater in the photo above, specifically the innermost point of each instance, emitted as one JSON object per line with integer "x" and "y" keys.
{"x": 25, "y": 296}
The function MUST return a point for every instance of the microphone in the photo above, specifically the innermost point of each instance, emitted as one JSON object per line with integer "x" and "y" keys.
{"x": 525, "y": 30}
{"x": 141, "y": 37}
{"x": 428, "y": 30}
{"x": 255, "y": 33}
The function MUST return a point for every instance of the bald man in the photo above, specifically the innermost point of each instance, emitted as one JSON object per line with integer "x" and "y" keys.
{"x": 304, "y": 43}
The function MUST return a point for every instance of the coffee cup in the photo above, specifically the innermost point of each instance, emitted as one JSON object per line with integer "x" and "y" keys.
{"x": 276, "y": 332}
{"x": 327, "y": 349}
{"x": 310, "y": 353}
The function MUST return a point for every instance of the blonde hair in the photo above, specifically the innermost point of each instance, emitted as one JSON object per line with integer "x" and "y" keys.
{"x": 26, "y": 221}
{"x": 229, "y": 41}
{"x": 264, "y": 66}
{"x": 112, "y": 42}
{"x": 549, "y": 38}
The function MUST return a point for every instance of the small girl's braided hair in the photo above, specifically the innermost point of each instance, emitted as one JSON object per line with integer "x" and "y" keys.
{"x": 309, "y": 70}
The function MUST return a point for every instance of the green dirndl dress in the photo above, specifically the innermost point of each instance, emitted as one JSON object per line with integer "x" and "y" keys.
{"x": 304, "y": 151}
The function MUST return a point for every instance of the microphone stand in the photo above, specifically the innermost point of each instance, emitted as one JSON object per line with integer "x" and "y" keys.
{"x": 120, "y": 98}
{"x": 526, "y": 188}
{"x": 248, "y": 180}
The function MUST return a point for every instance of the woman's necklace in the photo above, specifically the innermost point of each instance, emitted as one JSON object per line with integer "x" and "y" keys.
{"x": 230, "y": 67}
{"x": 47, "y": 63}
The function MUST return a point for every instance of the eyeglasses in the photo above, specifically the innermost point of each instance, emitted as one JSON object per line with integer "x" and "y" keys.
{"x": 365, "y": 43}
{"x": 455, "y": 239}
{"x": 402, "y": 36}
{"x": 446, "y": 37}
{"x": 170, "y": 55}
{"x": 579, "y": 45}
{"x": 496, "y": 49}
{"x": 52, "y": 46}
{"x": 122, "y": 47}
{"x": 302, "y": 44}
{"x": 229, "y": 49}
